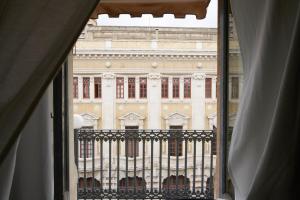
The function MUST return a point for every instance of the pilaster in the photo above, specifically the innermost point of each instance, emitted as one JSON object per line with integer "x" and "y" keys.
{"x": 198, "y": 101}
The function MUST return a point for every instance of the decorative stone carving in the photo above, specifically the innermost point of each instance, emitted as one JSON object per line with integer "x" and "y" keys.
{"x": 177, "y": 119}
{"x": 154, "y": 76}
{"x": 212, "y": 120}
{"x": 90, "y": 120}
{"x": 132, "y": 119}
{"x": 108, "y": 76}
{"x": 198, "y": 76}
{"x": 107, "y": 64}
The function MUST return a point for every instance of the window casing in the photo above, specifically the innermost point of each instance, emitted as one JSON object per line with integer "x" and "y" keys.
{"x": 176, "y": 87}
{"x": 235, "y": 87}
{"x": 165, "y": 88}
{"x": 120, "y": 88}
{"x": 75, "y": 87}
{"x": 97, "y": 88}
{"x": 86, "y": 88}
{"x": 187, "y": 88}
{"x": 143, "y": 87}
{"x": 131, "y": 88}
{"x": 208, "y": 88}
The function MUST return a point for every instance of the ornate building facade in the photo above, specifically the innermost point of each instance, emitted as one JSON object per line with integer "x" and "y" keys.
{"x": 147, "y": 78}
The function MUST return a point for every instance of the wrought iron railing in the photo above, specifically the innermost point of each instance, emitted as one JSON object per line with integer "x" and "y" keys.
{"x": 145, "y": 164}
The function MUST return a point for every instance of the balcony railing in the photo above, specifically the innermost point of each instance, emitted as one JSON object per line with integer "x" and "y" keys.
{"x": 145, "y": 164}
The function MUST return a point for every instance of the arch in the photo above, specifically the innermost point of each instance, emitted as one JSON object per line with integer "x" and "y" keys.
{"x": 169, "y": 183}
{"x": 89, "y": 183}
{"x": 140, "y": 184}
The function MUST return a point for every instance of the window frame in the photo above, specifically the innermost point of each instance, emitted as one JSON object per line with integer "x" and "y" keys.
{"x": 187, "y": 88}
{"x": 176, "y": 88}
{"x": 208, "y": 88}
{"x": 120, "y": 88}
{"x": 143, "y": 87}
{"x": 131, "y": 87}
{"x": 86, "y": 82}
{"x": 98, "y": 87}
{"x": 164, "y": 87}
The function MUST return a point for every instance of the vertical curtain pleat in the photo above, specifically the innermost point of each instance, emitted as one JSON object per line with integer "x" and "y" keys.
{"x": 264, "y": 150}
{"x": 35, "y": 38}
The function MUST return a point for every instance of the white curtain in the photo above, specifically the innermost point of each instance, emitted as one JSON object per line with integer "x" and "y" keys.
{"x": 265, "y": 144}
{"x": 35, "y": 38}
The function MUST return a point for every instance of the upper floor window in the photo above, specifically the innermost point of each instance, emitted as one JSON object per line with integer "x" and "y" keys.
{"x": 120, "y": 88}
{"x": 131, "y": 88}
{"x": 208, "y": 85}
{"x": 97, "y": 84}
{"x": 143, "y": 87}
{"x": 176, "y": 87}
{"x": 75, "y": 87}
{"x": 235, "y": 88}
{"x": 164, "y": 88}
{"x": 187, "y": 88}
{"x": 86, "y": 87}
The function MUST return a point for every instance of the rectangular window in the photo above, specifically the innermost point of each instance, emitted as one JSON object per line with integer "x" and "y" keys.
{"x": 132, "y": 141}
{"x": 164, "y": 88}
{"x": 143, "y": 87}
{"x": 120, "y": 88}
{"x": 86, "y": 88}
{"x": 97, "y": 84}
{"x": 208, "y": 85}
{"x": 86, "y": 150}
{"x": 187, "y": 88}
{"x": 176, "y": 88}
{"x": 75, "y": 87}
{"x": 173, "y": 141}
{"x": 235, "y": 88}
{"x": 131, "y": 88}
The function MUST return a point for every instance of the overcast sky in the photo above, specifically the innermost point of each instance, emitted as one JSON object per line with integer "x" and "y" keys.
{"x": 166, "y": 21}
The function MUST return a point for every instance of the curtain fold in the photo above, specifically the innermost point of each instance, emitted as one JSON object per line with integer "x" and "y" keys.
{"x": 35, "y": 38}
{"x": 264, "y": 150}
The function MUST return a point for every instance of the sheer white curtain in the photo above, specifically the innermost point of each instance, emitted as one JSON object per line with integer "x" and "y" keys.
{"x": 265, "y": 143}
{"x": 35, "y": 38}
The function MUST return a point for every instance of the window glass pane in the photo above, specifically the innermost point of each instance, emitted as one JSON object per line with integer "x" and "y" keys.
{"x": 120, "y": 88}
{"x": 86, "y": 87}
{"x": 208, "y": 84}
{"x": 97, "y": 85}
{"x": 164, "y": 88}
{"x": 131, "y": 87}
{"x": 143, "y": 87}
{"x": 176, "y": 88}
{"x": 187, "y": 88}
{"x": 75, "y": 87}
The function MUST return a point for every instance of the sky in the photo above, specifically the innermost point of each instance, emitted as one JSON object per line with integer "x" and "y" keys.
{"x": 167, "y": 21}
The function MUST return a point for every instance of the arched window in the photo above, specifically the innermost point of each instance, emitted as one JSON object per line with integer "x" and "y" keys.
{"x": 138, "y": 182}
{"x": 170, "y": 183}
{"x": 89, "y": 183}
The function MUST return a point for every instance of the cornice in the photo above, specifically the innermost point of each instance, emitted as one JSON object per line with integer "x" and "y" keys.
{"x": 133, "y": 55}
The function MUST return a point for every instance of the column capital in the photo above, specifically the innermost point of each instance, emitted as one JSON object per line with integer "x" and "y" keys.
{"x": 154, "y": 76}
{"x": 108, "y": 76}
{"x": 199, "y": 76}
